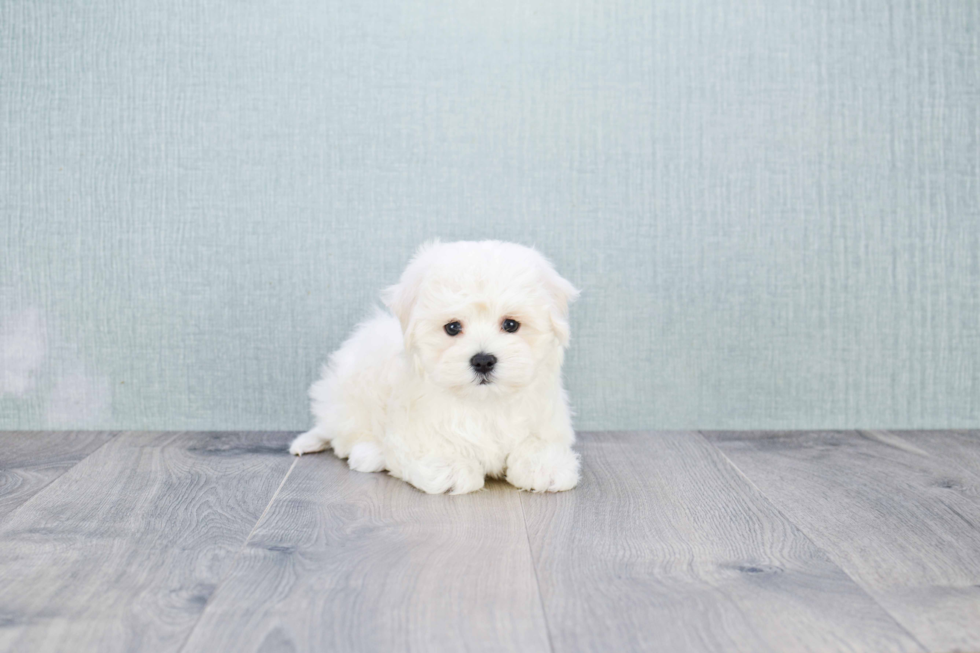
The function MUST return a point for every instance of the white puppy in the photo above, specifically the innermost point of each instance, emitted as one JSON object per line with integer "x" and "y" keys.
{"x": 463, "y": 381}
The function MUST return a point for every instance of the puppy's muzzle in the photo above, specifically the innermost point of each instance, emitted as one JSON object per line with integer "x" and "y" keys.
{"x": 482, "y": 364}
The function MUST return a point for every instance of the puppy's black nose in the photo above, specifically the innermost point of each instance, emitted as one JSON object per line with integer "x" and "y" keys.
{"x": 483, "y": 363}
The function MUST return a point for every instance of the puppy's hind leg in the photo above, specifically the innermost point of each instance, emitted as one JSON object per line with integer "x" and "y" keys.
{"x": 316, "y": 439}
{"x": 366, "y": 456}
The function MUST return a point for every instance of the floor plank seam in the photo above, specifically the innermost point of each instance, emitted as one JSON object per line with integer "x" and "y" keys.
{"x": 806, "y": 535}
{"x": 111, "y": 438}
{"x": 238, "y": 554}
{"x": 537, "y": 582}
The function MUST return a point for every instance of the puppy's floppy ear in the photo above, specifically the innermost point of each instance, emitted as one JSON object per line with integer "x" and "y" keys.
{"x": 401, "y": 297}
{"x": 561, "y": 293}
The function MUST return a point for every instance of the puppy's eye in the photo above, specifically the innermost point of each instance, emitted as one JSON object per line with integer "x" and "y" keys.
{"x": 453, "y": 328}
{"x": 510, "y": 326}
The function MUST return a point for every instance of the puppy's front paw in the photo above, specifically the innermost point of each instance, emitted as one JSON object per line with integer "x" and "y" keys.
{"x": 551, "y": 468}
{"x": 436, "y": 476}
{"x": 309, "y": 442}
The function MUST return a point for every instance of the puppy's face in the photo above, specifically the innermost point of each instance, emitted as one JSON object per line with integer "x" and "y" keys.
{"x": 482, "y": 318}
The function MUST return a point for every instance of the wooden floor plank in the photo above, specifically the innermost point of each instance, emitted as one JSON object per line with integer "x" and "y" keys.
{"x": 122, "y": 552}
{"x": 902, "y": 522}
{"x": 959, "y": 449}
{"x": 345, "y": 561}
{"x": 664, "y": 546}
{"x": 31, "y": 460}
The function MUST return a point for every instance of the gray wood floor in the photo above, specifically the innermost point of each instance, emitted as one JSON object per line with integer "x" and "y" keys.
{"x": 680, "y": 541}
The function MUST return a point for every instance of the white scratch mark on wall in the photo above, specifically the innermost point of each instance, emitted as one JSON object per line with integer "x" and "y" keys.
{"x": 23, "y": 347}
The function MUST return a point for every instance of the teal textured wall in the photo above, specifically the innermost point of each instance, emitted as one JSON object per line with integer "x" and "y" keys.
{"x": 772, "y": 206}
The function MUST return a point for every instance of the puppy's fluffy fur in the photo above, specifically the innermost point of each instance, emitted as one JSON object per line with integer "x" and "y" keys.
{"x": 402, "y": 393}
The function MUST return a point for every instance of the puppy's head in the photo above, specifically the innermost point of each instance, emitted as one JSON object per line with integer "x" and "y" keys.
{"x": 482, "y": 317}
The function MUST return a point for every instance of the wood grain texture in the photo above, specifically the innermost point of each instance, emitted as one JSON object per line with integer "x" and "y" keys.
{"x": 30, "y": 460}
{"x": 901, "y": 520}
{"x": 665, "y": 547}
{"x": 959, "y": 449}
{"x": 344, "y": 561}
{"x": 774, "y": 542}
{"x": 122, "y": 552}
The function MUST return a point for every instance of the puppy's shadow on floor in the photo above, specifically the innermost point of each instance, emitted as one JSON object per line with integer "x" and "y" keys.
{"x": 329, "y": 472}
{"x": 498, "y": 485}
